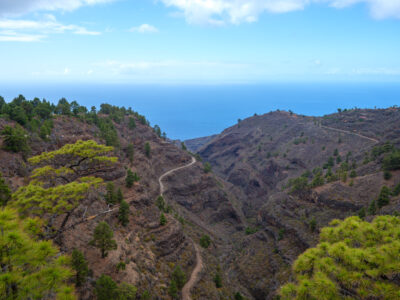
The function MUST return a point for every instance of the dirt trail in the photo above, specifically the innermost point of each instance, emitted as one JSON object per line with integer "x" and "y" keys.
{"x": 199, "y": 262}
{"x": 172, "y": 171}
{"x": 194, "y": 276}
{"x": 350, "y": 132}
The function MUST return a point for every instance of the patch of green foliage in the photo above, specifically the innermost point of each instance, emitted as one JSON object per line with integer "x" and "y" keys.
{"x": 15, "y": 139}
{"x": 5, "y": 192}
{"x": 80, "y": 266}
{"x": 103, "y": 238}
{"x": 31, "y": 268}
{"x": 354, "y": 260}
{"x": 205, "y": 241}
{"x": 207, "y": 167}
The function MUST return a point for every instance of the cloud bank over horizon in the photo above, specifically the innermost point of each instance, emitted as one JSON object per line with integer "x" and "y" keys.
{"x": 221, "y": 12}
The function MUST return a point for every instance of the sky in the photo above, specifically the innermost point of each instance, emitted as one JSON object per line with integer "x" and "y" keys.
{"x": 199, "y": 41}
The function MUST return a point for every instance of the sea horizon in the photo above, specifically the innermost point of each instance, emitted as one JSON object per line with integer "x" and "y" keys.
{"x": 192, "y": 111}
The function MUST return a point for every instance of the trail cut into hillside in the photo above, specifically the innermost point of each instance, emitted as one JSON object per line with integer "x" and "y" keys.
{"x": 199, "y": 262}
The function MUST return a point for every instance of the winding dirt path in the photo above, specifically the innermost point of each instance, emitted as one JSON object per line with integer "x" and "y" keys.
{"x": 350, "y": 132}
{"x": 162, "y": 189}
{"x": 199, "y": 261}
{"x": 194, "y": 276}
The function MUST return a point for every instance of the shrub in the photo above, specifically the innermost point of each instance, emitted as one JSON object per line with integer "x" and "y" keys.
{"x": 387, "y": 175}
{"x": 383, "y": 198}
{"x": 238, "y": 296}
{"x": 205, "y": 241}
{"x": 372, "y": 208}
{"x": 313, "y": 224}
{"x": 250, "y": 230}
{"x": 396, "y": 190}
{"x": 281, "y": 233}
{"x": 163, "y": 219}
{"x": 353, "y": 174}
{"x": 147, "y": 149}
{"x": 121, "y": 266}
{"x": 361, "y": 213}
{"x": 218, "y": 280}
{"x": 207, "y": 167}
{"x": 160, "y": 202}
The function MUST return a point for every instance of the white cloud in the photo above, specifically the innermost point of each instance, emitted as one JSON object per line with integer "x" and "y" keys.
{"x": 19, "y": 7}
{"x": 144, "y": 28}
{"x": 12, "y": 36}
{"x": 32, "y": 30}
{"x": 217, "y": 12}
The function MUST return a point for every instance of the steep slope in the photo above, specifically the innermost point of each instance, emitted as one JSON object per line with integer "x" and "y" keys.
{"x": 260, "y": 155}
{"x": 148, "y": 251}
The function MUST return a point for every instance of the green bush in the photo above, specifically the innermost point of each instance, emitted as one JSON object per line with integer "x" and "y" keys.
{"x": 147, "y": 149}
{"x": 207, "y": 167}
{"x": 250, "y": 230}
{"x": 205, "y": 241}
{"x": 383, "y": 198}
{"x": 218, "y": 280}
{"x": 163, "y": 219}
{"x": 160, "y": 202}
{"x": 387, "y": 175}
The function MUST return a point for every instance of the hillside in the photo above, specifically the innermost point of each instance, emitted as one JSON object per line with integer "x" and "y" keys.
{"x": 269, "y": 159}
{"x": 148, "y": 251}
{"x": 231, "y": 232}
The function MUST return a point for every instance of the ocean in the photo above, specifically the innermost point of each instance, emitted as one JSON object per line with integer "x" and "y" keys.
{"x": 185, "y": 112}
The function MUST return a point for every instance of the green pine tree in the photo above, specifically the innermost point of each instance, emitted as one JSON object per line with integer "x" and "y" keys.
{"x": 80, "y": 265}
{"x": 119, "y": 196}
{"x": 123, "y": 213}
{"x": 103, "y": 238}
{"x": 5, "y": 192}
{"x": 383, "y": 198}
{"x": 179, "y": 277}
{"x": 106, "y": 288}
{"x": 147, "y": 149}
{"x": 130, "y": 179}
{"x": 173, "y": 290}
{"x": 163, "y": 219}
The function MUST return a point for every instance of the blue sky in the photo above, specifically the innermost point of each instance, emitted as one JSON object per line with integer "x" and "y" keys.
{"x": 199, "y": 41}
